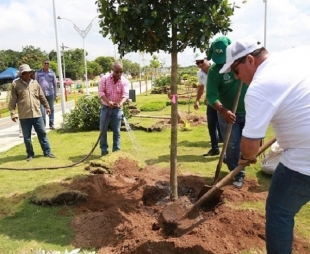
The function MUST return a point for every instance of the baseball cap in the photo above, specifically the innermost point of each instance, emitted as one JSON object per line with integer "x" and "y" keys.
{"x": 239, "y": 49}
{"x": 217, "y": 51}
{"x": 199, "y": 56}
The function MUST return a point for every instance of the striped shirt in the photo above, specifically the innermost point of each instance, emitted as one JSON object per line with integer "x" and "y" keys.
{"x": 113, "y": 91}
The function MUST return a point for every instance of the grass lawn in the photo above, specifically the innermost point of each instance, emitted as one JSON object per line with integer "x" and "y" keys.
{"x": 25, "y": 227}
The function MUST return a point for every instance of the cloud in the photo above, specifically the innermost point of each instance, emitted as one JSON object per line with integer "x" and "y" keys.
{"x": 31, "y": 22}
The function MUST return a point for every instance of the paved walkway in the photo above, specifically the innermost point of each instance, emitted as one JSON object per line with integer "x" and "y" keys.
{"x": 9, "y": 137}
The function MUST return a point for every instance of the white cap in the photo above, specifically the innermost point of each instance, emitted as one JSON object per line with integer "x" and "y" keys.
{"x": 199, "y": 56}
{"x": 239, "y": 49}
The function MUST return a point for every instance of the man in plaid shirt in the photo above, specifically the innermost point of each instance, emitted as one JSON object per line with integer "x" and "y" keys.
{"x": 113, "y": 92}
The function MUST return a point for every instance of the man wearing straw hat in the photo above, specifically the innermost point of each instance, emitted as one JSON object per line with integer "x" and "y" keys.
{"x": 27, "y": 94}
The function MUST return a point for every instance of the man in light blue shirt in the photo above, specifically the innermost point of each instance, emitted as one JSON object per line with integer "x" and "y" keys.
{"x": 47, "y": 80}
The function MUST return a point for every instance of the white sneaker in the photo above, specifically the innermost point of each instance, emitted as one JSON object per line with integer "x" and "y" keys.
{"x": 238, "y": 182}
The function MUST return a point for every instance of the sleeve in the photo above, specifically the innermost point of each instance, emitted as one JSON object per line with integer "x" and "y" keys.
{"x": 213, "y": 81}
{"x": 101, "y": 89}
{"x": 13, "y": 100}
{"x": 259, "y": 113}
{"x": 126, "y": 89}
{"x": 55, "y": 85}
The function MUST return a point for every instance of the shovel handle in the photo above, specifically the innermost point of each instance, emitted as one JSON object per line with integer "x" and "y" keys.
{"x": 234, "y": 172}
{"x": 223, "y": 182}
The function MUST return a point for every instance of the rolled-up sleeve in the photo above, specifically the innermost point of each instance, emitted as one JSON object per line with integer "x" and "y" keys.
{"x": 101, "y": 90}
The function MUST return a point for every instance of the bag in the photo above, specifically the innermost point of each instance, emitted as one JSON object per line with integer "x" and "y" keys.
{"x": 271, "y": 159}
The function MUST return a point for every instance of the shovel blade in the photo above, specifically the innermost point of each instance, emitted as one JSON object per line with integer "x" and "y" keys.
{"x": 213, "y": 201}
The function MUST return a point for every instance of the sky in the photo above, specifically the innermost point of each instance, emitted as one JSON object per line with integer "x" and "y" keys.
{"x": 31, "y": 22}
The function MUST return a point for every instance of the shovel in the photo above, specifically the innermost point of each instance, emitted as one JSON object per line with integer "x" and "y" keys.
{"x": 206, "y": 188}
{"x": 170, "y": 218}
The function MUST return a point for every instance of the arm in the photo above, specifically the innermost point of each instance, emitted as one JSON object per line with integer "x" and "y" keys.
{"x": 101, "y": 92}
{"x": 249, "y": 147}
{"x": 12, "y": 103}
{"x": 125, "y": 95}
{"x": 55, "y": 86}
{"x": 200, "y": 91}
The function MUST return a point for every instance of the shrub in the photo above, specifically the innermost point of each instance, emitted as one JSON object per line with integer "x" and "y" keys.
{"x": 85, "y": 116}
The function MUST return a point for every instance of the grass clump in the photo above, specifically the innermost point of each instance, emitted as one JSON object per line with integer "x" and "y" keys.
{"x": 153, "y": 106}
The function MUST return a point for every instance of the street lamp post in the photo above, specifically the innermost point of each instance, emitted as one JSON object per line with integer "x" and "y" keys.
{"x": 265, "y": 24}
{"x": 83, "y": 34}
{"x": 63, "y": 57}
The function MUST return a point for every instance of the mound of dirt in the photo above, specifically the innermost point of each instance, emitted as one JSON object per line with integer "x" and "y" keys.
{"x": 121, "y": 216}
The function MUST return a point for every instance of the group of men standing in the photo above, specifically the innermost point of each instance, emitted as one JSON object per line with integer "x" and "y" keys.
{"x": 273, "y": 92}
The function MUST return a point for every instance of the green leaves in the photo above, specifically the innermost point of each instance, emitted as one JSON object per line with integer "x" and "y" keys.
{"x": 145, "y": 25}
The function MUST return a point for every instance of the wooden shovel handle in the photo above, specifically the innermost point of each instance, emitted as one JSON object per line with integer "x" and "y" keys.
{"x": 234, "y": 172}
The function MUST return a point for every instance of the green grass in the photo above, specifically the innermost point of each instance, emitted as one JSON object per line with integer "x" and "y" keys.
{"x": 24, "y": 226}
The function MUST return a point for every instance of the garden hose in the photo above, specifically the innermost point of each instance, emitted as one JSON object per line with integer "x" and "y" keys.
{"x": 73, "y": 164}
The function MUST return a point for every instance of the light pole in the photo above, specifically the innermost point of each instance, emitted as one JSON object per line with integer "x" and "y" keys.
{"x": 62, "y": 93}
{"x": 265, "y": 24}
{"x": 83, "y": 34}
{"x": 63, "y": 57}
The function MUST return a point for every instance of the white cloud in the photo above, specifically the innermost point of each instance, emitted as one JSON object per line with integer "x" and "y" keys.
{"x": 31, "y": 22}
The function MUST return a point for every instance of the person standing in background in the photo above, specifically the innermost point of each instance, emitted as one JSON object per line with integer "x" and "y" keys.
{"x": 113, "y": 93}
{"x": 48, "y": 82}
{"x": 213, "y": 125}
{"x": 27, "y": 94}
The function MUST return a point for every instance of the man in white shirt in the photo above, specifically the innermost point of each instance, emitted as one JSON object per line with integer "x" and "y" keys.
{"x": 213, "y": 125}
{"x": 278, "y": 93}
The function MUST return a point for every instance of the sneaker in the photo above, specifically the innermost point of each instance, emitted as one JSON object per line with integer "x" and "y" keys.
{"x": 238, "y": 182}
{"x": 21, "y": 135}
{"x": 212, "y": 152}
{"x": 52, "y": 128}
{"x": 50, "y": 155}
{"x": 29, "y": 158}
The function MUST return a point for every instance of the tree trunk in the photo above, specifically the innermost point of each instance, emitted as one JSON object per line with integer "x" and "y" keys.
{"x": 174, "y": 117}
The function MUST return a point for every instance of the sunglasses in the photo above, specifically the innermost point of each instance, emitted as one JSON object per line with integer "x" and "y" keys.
{"x": 118, "y": 72}
{"x": 200, "y": 62}
{"x": 238, "y": 61}
{"x": 46, "y": 63}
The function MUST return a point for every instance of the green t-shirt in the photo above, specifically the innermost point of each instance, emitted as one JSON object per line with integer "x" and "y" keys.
{"x": 223, "y": 88}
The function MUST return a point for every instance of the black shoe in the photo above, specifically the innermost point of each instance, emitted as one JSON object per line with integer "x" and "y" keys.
{"x": 29, "y": 158}
{"x": 104, "y": 153}
{"x": 50, "y": 155}
{"x": 212, "y": 152}
{"x": 52, "y": 128}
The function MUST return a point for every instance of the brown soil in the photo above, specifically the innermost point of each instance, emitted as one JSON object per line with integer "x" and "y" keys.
{"x": 121, "y": 216}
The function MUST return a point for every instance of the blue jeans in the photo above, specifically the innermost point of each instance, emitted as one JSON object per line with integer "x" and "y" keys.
{"x": 114, "y": 117}
{"x": 50, "y": 99}
{"x": 233, "y": 148}
{"x": 288, "y": 192}
{"x": 213, "y": 127}
{"x": 38, "y": 125}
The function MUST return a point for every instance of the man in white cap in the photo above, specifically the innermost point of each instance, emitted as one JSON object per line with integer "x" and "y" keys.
{"x": 213, "y": 125}
{"x": 27, "y": 94}
{"x": 278, "y": 94}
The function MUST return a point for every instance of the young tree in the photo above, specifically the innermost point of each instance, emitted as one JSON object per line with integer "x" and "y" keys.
{"x": 155, "y": 64}
{"x": 168, "y": 25}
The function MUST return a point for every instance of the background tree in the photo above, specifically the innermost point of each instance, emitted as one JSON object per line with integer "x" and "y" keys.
{"x": 93, "y": 69}
{"x": 32, "y": 56}
{"x": 171, "y": 26}
{"x": 9, "y": 58}
{"x": 155, "y": 64}
{"x": 75, "y": 63}
{"x": 105, "y": 62}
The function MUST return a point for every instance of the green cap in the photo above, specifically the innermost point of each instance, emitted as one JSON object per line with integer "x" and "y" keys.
{"x": 217, "y": 51}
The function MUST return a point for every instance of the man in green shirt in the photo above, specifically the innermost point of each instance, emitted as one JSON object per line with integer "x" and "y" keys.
{"x": 222, "y": 90}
